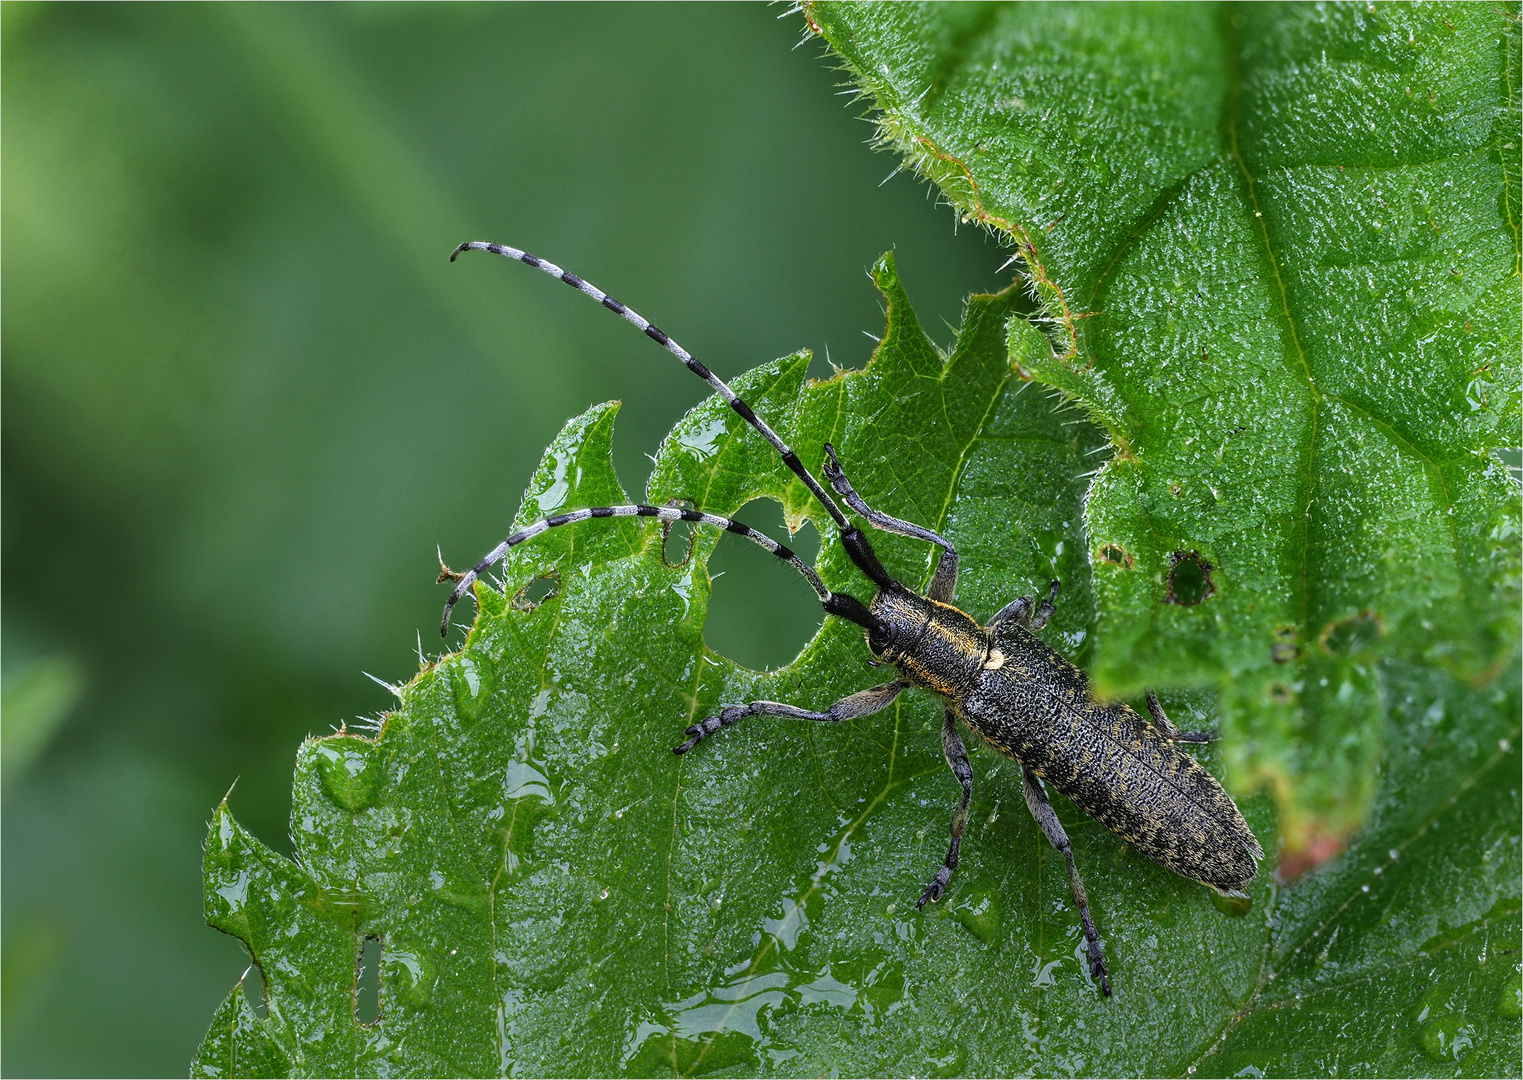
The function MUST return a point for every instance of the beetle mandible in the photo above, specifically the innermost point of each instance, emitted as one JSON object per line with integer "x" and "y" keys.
{"x": 999, "y": 679}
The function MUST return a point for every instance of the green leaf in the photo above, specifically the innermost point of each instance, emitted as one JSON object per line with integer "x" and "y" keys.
{"x": 1277, "y": 247}
{"x": 556, "y": 894}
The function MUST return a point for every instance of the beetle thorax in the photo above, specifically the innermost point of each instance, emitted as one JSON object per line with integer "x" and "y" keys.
{"x": 931, "y": 644}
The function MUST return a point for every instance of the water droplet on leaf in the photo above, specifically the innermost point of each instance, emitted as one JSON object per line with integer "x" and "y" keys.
{"x": 349, "y": 775}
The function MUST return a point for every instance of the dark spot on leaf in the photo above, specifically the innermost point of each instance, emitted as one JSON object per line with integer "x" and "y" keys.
{"x": 367, "y": 981}
{"x": 537, "y": 591}
{"x": 1116, "y": 555}
{"x": 1280, "y": 693}
{"x": 1189, "y": 579}
{"x": 1284, "y": 648}
{"x": 1347, "y": 637}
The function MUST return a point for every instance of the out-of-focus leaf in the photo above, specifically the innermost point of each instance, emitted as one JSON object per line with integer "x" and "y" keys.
{"x": 1401, "y": 958}
{"x": 1278, "y": 246}
{"x": 37, "y": 699}
{"x": 556, "y": 894}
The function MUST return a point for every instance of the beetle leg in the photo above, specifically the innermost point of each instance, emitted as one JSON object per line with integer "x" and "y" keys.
{"x": 862, "y": 703}
{"x": 1047, "y": 818}
{"x": 1044, "y": 609}
{"x": 1169, "y": 731}
{"x": 1018, "y": 609}
{"x": 944, "y": 580}
{"x": 957, "y": 759}
{"x": 1021, "y": 610}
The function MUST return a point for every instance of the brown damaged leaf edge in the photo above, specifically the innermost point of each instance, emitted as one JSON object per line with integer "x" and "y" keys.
{"x": 1024, "y": 245}
{"x": 975, "y": 211}
{"x": 1115, "y": 555}
{"x": 525, "y": 599}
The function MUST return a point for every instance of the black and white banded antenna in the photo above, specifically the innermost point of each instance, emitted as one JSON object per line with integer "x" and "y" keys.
{"x": 656, "y": 334}
{"x": 856, "y": 545}
{"x": 667, "y": 514}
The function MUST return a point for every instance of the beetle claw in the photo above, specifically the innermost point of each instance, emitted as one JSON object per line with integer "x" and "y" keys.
{"x": 1099, "y": 972}
{"x": 934, "y": 890}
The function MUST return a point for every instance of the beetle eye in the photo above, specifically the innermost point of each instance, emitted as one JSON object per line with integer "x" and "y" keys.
{"x": 875, "y": 640}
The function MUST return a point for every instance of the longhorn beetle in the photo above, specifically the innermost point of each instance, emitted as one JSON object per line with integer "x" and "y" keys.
{"x": 999, "y": 679}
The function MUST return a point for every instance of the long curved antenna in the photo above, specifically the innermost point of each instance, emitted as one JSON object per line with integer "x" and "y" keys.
{"x": 835, "y": 603}
{"x": 655, "y": 333}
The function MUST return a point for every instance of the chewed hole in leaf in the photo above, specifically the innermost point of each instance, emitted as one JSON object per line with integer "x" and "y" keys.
{"x": 761, "y": 613}
{"x": 1116, "y": 556}
{"x": 677, "y": 542}
{"x": 1190, "y": 579}
{"x": 1347, "y": 637}
{"x": 367, "y": 981}
{"x": 1283, "y": 649}
{"x": 537, "y": 591}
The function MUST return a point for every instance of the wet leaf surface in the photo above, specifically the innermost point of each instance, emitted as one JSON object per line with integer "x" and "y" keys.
{"x": 555, "y": 893}
{"x": 1279, "y": 250}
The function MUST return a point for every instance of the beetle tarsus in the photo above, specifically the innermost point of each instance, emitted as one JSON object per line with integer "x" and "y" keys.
{"x": 933, "y": 891}
{"x": 1097, "y": 968}
{"x": 957, "y": 761}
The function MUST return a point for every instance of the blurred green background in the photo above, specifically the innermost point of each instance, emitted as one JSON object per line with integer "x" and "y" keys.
{"x": 245, "y": 394}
